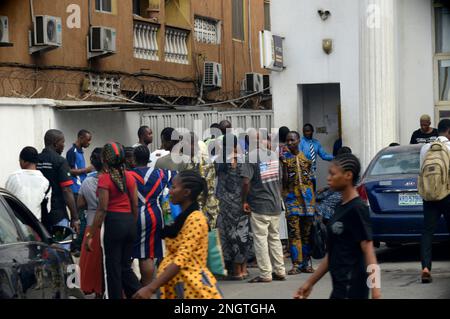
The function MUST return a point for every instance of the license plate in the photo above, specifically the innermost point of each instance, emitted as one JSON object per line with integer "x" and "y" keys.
{"x": 409, "y": 199}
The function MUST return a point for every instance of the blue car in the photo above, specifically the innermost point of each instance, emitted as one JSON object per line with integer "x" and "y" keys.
{"x": 389, "y": 187}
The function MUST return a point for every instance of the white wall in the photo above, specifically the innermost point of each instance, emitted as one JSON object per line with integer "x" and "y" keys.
{"x": 23, "y": 122}
{"x": 306, "y": 63}
{"x": 105, "y": 126}
{"x": 415, "y": 65}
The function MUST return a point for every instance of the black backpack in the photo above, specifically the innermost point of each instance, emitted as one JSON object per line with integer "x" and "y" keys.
{"x": 318, "y": 239}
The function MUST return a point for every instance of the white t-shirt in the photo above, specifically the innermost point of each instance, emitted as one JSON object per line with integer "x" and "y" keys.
{"x": 426, "y": 147}
{"x": 29, "y": 186}
{"x": 154, "y": 156}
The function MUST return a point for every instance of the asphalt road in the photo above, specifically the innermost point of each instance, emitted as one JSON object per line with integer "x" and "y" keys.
{"x": 400, "y": 278}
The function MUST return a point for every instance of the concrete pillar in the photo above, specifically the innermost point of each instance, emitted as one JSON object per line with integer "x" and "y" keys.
{"x": 377, "y": 85}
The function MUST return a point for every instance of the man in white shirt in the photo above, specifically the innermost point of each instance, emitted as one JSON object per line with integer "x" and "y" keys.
{"x": 29, "y": 184}
{"x": 433, "y": 210}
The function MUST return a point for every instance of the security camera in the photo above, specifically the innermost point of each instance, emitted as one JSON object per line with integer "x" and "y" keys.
{"x": 324, "y": 14}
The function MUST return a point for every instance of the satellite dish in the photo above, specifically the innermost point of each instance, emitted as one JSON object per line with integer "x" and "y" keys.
{"x": 51, "y": 30}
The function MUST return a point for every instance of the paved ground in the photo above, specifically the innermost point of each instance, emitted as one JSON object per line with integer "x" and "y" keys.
{"x": 400, "y": 278}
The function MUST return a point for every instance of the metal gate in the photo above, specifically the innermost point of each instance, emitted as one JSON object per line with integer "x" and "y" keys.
{"x": 199, "y": 121}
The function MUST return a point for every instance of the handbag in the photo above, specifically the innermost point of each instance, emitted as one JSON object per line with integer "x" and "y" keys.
{"x": 215, "y": 261}
{"x": 318, "y": 239}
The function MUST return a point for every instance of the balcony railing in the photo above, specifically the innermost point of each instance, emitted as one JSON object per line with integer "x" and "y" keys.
{"x": 146, "y": 41}
{"x": 176, "y": 46}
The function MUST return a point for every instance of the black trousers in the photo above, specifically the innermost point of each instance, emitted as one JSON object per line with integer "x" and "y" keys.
{"x": 432, "y": 212}
{"x": 118, "y": 240}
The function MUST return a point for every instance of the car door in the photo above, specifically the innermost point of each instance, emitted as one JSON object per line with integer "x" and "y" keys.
{"x": 18, "y": 278}
{"x": 40, "y": 273}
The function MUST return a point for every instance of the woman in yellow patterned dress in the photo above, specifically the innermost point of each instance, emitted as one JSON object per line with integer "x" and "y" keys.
{"x": 183, "y": 273}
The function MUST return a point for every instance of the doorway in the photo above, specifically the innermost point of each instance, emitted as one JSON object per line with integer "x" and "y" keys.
{"x": 322, "y": 109}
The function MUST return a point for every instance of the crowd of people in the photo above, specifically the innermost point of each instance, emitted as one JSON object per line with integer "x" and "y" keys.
{"x": 158, "y": 208}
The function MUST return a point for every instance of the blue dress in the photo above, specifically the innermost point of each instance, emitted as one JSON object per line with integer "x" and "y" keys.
{"x": 150, "y": 185}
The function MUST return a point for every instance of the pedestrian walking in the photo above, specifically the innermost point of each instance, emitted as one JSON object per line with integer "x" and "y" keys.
{"x": 232, "y": 222}
{"x": 300, "y": 201}
{"x": 261, "y": 198}
{"x": 79, "y": 171}
{"x": 350, "y": 247}
{"x": 28, "y": 184}
{"x": 150, "y": 185}
{"x": 327, "y": 200}
{"x": 434, "y": 185}
{"x": 312, "y": 148}
{"x": 183, "y": 273}
{"x": 116, "y": 217}
{"x": 55, "y": 168}
{"x": 91, "y": 262}
{"x": 426, "y": 133}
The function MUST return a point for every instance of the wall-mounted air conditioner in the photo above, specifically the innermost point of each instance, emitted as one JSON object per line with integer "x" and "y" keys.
{"x": 253, "y": 82}
{"x": 47, "y": 30}
{"x": 102, "y": 39}
{"x": 212, "y": 75}
{"x": 4, "y": 30}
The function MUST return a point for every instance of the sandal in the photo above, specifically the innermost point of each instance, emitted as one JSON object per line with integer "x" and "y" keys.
{"x": 307, "y": 270}
{"x": 259, "y": 279}
{"x": 294, "y": 271}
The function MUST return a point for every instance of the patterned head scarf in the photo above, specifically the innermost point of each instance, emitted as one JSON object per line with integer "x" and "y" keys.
{"x": 114, "y": 157}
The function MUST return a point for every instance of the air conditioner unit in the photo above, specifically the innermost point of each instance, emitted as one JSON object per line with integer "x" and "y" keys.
{"x": 253, "y": 82}
{"x": 212, "y": 75}
{"x": 47, "y": 30}
{"x": 266, "y": 85}
{"x": 4, "y": 32}
{"x": 102, "y": 39}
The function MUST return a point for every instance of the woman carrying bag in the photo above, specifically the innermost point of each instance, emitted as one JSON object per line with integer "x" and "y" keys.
{"x": 183, "y": 273}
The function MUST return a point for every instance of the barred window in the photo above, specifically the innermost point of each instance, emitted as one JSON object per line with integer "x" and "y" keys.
{"x": 207, "y": 30}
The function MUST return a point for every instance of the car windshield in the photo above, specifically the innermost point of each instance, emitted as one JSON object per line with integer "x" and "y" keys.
{"x": 391, "y": 163}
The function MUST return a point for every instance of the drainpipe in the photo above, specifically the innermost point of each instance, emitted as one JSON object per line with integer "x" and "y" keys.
{"x": 250, "y": 53}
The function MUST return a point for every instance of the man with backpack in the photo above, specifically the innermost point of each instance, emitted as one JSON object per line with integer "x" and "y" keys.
{"x": 434, "y": 187}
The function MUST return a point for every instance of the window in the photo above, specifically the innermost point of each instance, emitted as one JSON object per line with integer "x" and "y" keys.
{"x": 238, "y": 20}
{"x": 442, "y": 29}
{"x": 103, "y": 5}
{"x": 207, "y": 30}
{"x": 137, "y": 7}
{"x": 267, "y": 23}
{"x": 8, "y": 230}
{"x": 444, "y": 81}
{"x": 442, "y": 51}
{"x": 26, "y": 223}
{"x": 397, "y": 163}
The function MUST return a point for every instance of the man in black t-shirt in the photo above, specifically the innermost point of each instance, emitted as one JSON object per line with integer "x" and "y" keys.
{"x": 56, "y": 169}
{"x": 426, "y": 133}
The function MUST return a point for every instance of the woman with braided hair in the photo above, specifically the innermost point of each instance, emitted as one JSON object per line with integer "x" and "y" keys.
{"x": 183, "y": 273}
{"x": 116, "y": 217}
{"x": 351, "y": 255}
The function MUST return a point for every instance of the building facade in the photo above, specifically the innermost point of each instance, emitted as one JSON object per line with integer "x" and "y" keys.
{"x": 103, "y": 65}
{"x": 361, "y": 70}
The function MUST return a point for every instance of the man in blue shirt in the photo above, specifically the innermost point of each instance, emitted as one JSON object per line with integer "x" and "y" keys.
{"x": 79, "y": 171}
{"x": 312, "y": 148}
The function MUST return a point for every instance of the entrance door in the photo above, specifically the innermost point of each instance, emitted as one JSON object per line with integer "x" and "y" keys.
{"x": 321, "y": 108}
